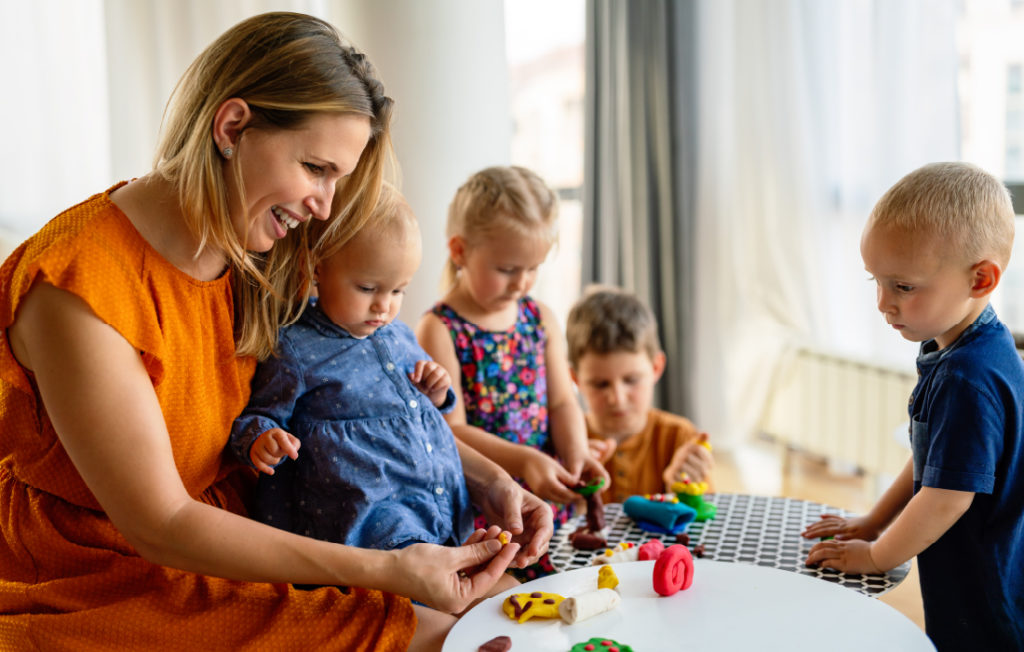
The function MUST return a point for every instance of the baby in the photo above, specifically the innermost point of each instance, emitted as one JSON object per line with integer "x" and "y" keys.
{"x": 378, "y": 467}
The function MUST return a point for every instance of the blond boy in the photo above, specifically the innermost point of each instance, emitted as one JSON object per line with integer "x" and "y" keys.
{"x": 937, "y": 244}
{"x": 616, "y": 360}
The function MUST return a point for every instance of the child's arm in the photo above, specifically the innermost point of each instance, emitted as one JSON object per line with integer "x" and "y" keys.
{"x": 258, "y": 435}
{"x": 868, "y": 527}
{"x": 544, "y": 475}
{"x": 927, "y": 516}
{"x": 565, "y": 418}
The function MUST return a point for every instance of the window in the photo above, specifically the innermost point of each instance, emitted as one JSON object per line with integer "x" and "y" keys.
{"x": 544, "y": 42}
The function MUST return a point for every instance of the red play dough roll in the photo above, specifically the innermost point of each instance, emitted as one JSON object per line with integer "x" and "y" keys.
{"x": 650, "y": 550}
{"x": 673, "y": 571}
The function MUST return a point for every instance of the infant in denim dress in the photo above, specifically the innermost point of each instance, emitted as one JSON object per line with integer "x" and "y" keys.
{"x": 344, "y": 422}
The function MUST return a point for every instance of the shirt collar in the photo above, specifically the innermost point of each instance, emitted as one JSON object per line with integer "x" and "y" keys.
{"x": 929, "y": 355}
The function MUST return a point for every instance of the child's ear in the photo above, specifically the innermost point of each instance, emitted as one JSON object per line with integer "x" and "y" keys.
{"x": 658, "y": 363}
{"x": 457, "y": 250}
{"x": 984, "y": 278}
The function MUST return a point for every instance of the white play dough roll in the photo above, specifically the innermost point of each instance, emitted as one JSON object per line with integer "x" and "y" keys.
{"x": 588, "y": 604}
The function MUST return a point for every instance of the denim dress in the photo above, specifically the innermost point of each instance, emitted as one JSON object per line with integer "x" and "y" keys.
{"x": 378, "y": 466}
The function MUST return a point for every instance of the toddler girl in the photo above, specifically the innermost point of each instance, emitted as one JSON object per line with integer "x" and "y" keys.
{"x": 378, "y": 466}
{"x": 504, "y": 351}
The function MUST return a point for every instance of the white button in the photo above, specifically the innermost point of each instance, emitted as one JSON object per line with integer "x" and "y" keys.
{"x": 429, "y": 448}
{"x": 390, "y": 366}
{"x": 413, "y": 403}
{"x": 439, "y": 491}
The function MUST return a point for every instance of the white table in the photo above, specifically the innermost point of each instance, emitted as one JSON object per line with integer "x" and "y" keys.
{"x": 729, "y": 607}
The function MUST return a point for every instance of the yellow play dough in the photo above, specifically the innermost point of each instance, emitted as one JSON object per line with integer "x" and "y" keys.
{"x": 521, "y": 607}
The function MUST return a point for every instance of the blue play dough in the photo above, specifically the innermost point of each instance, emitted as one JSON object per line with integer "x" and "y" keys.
{"x": 654, "y": 516}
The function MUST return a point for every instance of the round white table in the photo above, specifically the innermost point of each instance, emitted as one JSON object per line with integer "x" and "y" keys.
{"x": 729, "y": 607}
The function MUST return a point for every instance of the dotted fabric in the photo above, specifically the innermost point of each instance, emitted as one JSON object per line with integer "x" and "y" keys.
{"x": 758, "y": 530}
{"x": 68, "y": 579}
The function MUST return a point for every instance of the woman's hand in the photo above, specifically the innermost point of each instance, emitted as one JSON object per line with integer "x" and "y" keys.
{"x": 526, "y": 516}
{"x": 450, "y": 579}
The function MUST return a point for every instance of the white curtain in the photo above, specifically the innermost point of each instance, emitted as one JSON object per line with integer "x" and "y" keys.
{"x": 86, "y": 82}
{"x": 808, "y": 112}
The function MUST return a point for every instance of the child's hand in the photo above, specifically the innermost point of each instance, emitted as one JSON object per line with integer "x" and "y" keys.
{"x": 270, "y": 447}
{"x": 843, "y": 529}
{"x": 693, "y": 459}
{"x": 432, "y": 379}
{"x": 590, "y": 469}
{"x": 853, "y": 556}
{"x": 602, "y": 449}
{"x": 546, "y": 477}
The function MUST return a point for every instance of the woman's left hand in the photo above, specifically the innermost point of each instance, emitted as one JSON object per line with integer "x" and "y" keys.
{"x": 526, "y": 516}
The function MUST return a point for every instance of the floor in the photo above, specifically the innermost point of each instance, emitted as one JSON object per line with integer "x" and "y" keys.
{"x": 764, "y": 467}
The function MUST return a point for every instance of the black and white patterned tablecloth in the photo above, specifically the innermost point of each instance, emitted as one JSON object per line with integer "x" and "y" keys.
{"x": 759, "y": 530}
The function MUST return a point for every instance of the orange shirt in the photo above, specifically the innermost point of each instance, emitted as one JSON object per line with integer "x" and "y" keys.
{"x": 638, "y": 462}
{"x": 68, "y": 579}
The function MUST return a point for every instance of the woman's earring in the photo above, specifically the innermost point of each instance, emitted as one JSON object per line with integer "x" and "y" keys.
{"x": 227, "y": 152}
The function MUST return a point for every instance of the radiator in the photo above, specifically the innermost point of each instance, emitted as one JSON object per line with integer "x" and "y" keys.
{"x": 846, "y": 411}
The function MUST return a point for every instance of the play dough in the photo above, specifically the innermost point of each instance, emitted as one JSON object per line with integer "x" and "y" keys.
{"x": 600, "y": 645}
{"x": 673, "y": 571}
{"x": 496, "y": 644}
{"x": 521, "y": 607}
{"x": 606, "y": 578}
{"x": 588, "y": 604}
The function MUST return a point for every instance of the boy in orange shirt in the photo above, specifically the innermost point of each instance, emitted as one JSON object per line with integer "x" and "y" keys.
{"x": 616, "y": 359}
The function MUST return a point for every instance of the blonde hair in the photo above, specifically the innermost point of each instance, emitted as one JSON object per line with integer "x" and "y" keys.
{"x": 500, "y": 198}
{"x": 391, "y": 218}
{"x": 961, "y": 204}
{"x": 287, "y": 67}
{"x": 608, "y": 319}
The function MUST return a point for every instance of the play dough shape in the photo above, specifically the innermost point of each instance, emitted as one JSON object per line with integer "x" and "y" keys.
{"x": 521, "y": 607}
{"x": 673, "y": 571}
{"x": 666, "y": 515}
{"x": 496, "y": 644}
{"x": 600, "y": 645}
{"x": 606, "y": 578}
{"x": 585, "y": 605}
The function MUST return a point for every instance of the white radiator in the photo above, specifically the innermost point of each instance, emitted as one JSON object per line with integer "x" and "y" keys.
{"x": 843, "y": 410}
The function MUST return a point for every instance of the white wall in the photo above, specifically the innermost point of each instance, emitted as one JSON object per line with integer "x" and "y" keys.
{"x": 88, "y": 105}
{"x": 444, "y": 64}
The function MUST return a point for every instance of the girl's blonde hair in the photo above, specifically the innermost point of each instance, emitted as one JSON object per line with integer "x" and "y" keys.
{"x": 287, "y": 67}
{"x": 500, "y": 199}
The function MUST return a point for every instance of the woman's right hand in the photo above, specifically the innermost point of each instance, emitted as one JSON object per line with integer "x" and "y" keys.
{"x": 450, "y": 579}
{"x": 546, "y": 477}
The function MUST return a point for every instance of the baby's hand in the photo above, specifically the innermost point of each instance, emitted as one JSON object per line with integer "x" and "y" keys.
{"x": 432, "y": 379}
{"x": 693, "y": 459}
{"x": 270, "y": 447}
{"x": 852, "y": 556}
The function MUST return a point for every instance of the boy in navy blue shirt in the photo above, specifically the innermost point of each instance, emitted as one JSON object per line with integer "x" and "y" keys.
{"x": 937, "y": 244}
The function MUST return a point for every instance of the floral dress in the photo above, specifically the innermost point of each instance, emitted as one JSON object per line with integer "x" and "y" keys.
{"x": 504, "y": 387}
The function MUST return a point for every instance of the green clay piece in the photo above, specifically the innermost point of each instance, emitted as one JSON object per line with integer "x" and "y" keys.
{"x": 600, "y": 644}
{"x": 590, "y": 487}
{"x": 826, "y": 538}
{"x": 705, "y": 510}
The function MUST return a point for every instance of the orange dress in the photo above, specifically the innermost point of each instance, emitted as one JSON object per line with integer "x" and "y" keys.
{"x": 68, "y": 579}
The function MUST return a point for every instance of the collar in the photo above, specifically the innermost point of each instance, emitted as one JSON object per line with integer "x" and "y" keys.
{"x": 929, "y": 355}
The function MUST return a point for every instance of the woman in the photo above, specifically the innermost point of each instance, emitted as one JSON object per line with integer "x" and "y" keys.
{"x": 129, "y": 328}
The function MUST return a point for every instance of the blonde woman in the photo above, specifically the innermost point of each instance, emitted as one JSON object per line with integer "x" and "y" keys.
{"x": 130, "y": 328}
